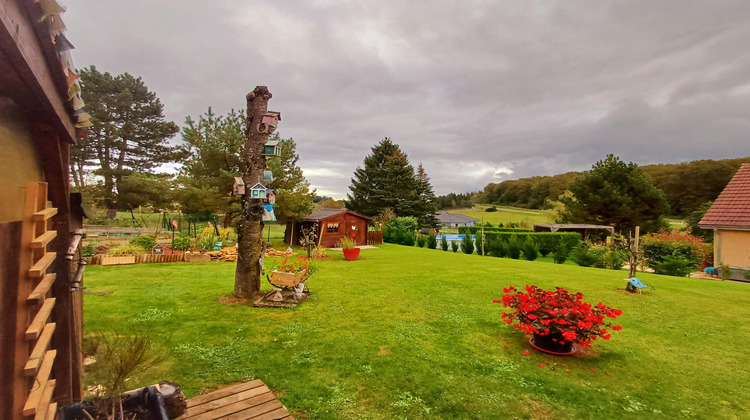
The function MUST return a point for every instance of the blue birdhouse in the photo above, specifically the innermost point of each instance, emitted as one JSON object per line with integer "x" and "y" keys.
{"x": 268, "y": 213}
{"x": 267, "y": 177}
{"x": 258, "y": 191}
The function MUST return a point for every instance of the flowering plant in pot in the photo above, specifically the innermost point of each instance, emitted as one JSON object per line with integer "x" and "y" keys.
{"x": 294, "y": 270}
{"x": 557, "y": 319}
{"x": 349, "y": 246}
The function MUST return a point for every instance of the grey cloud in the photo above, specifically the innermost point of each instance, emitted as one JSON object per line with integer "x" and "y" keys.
{"x": 472, "y": 91}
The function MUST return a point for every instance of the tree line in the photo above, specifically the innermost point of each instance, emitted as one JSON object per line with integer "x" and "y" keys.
{"x": 686, "y": 186}
{"x": 116, "y": 167}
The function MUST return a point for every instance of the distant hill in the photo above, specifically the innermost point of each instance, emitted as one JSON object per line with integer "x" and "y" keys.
{"x": 686, "y": 185}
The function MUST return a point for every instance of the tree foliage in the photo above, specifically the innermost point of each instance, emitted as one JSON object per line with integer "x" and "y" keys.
{"x": 129, "y": 132}
{"x": 615, "y": 193}
{"x": 388, "y": 180}
{"x": 294, "y": 199}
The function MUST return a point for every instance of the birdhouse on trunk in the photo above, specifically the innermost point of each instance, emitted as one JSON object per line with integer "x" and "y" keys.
{"x": 267, "y": 177}
{"x": 238, "y": 188}
{"x": 271, "y": 197}
{"x": 268, "y": 213}
{"x": 268, "y": 122}
{"x": 258, "y": 191}
{"x": 272, "y": 148}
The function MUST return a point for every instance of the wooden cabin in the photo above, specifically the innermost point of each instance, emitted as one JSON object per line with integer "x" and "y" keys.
{"x": 40, "y": 279}
{"x": 333, "y": 225}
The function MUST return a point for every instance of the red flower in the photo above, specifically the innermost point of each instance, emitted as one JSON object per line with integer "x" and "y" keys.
{"x": 495, "y": 301}
{"x": 616, "y": 327}
{"x": 525, "y": 352}
{"x": 541, "y": 365}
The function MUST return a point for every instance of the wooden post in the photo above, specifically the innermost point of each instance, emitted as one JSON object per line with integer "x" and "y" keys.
{"x": 250, "y": 232}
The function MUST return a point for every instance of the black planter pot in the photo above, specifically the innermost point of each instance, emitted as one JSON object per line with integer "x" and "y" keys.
{"x": 147, "y": 403}
{"x": 552, "y": 343}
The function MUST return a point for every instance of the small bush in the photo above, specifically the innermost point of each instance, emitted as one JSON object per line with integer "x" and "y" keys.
{"x": 514, "y": 248}
{"x": 561, "y": 254}
{"x": 490, "y": 209}
{"x": 89, "y": 250}
{"x": 583, "y": 257}
{"x": 497, "y": 248}
{"x": 674, "y": 266}
{"x": 408, "y": 239}
{"x": 146, "y": 241}
{"x": 530, "y": 251}
{"x": 432, "y": 241}
{"x": 605, "y": 257}
{"x": 467, "y": 245}
{"x": 183, "y": 242}
{"x": 421, "y": 241}
{"x": 206, "y": 242}
{"x": 725, "y": 272}
{"x": 478, "y": 244}
{"x": 443, "y": 243}
{"x": 454, "y": 246}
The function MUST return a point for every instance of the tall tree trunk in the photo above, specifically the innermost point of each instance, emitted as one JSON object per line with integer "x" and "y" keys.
{"x": 250, "y": 234}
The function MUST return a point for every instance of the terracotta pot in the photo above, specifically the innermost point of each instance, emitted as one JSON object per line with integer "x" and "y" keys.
{"x": 351, "y": 254}
{"x": 551, "y": 343}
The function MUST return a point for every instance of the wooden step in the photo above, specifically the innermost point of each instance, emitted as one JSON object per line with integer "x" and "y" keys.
{"x": 38, "y": 269}
{"x": 32, "y": 333}
{"x": 40, "y": 384}
{"x": 44, "y": 214}
{"x": 43, "y": 408}
{"x": 41, "y": 289}
{"x": 41, "y": 346}
{"x": 44, "y": 239}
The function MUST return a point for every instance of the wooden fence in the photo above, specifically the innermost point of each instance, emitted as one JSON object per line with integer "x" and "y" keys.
{"x": 374, "y": 237}
{"x": 135, "y": 259}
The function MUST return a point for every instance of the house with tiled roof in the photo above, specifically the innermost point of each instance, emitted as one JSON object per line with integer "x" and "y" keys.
{"x": 729, "y": 217}
{"x": 452, "y": 220}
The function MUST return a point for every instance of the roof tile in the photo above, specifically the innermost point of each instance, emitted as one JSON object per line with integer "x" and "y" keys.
{"x": 732, "y": 207}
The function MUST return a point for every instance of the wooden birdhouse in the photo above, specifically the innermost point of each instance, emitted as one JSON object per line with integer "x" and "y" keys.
{"x": 272, "y": 148}
{"x": 238, "y": 188}
{"x": 269, "y": 122}
{"x": 268, "y": 213}
{"x": 258, "y": 191}
{"x": 267, "y": 177}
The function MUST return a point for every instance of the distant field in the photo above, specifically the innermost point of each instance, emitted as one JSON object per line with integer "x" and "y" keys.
{"x": 506, "y": 215}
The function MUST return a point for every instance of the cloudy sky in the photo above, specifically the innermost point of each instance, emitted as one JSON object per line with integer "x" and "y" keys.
{"x": 477, "y": 91}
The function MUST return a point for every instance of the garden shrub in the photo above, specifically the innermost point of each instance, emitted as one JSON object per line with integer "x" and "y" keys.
{"x": 408, "y": 238}
{"x": 514, "y": 248}
{"x": 674, "y": 265}
{"x": 443, "y": 243}
{"x": 490, "y": 209}
{"x": 529, "y": 251}
{"x": 454, "y": 246}
{"x": 561, "y": 254}
{"x": 582, "y": 256}
{"x": 478, "y": 244}
{"x": 467, "y": 245}
{"x": 605, "y": 257}
{"x": 725, "y": 272}
{"x": 473, "y": 230}
{"x": 145, "y": 241}
{"x": 206, "y": 242}
{"x": 432, "y": 241}
{"x": 659, "y": 246}
{"x": 497, "y": 248}
{"x": 183, "y": 242}
{"x": 88, "y": 250}
{"x": 397, "y": 229}
{"x": 421, "y": 241}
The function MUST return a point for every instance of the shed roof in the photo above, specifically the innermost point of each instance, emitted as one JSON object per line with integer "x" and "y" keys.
{"x": 445, "y": 217}
{"x": 323, "y": 214}
{"x": 732, "y": 207}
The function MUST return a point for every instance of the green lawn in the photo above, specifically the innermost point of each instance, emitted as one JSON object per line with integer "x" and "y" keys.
{"x": 506, "y": 215}
{"x": 412, "y": 333}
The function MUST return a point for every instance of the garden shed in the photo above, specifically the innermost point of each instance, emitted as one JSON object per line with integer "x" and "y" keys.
{"x": 452, "y": 220}
{"x": 333, "y": 225}
{"x": 729, "y": 217}
{"x": 40, "y": 294}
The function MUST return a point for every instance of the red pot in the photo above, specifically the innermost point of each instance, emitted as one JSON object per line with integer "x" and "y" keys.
{"x": 351, "y": 254}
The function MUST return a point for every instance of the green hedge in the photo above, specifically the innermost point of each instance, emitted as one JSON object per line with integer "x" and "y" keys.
{"x": 473, "y": 230}
{"x": 545, "y": 242}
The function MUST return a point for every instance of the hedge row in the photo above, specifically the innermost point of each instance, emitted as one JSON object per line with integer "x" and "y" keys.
{"x": 473, "y": 230}
{"x": 546, "y": 242}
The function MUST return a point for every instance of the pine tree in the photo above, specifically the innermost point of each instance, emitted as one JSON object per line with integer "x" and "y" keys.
{"x": 427, "y": 206}
{"x": 294, "y": 200}
{"x": 129, "y": 133}
{"x": 388, "y": 180}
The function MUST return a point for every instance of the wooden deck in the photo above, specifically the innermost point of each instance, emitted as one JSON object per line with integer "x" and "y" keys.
{"x": 249, "y": 400}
